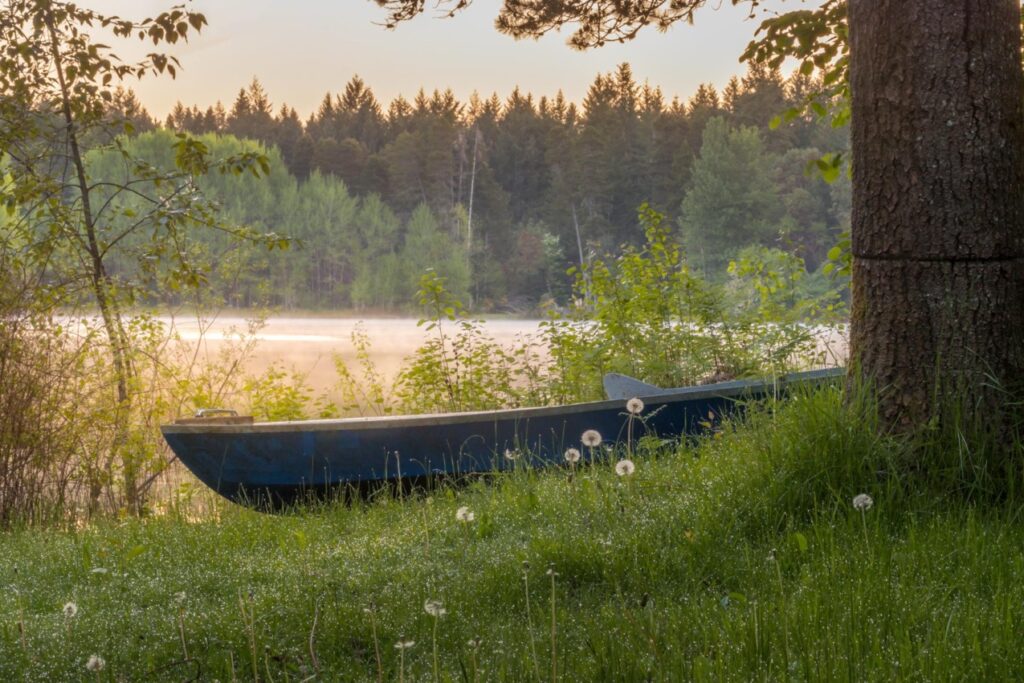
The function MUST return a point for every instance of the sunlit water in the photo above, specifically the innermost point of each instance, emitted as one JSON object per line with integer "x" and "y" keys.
{"x": 308, "y": 345}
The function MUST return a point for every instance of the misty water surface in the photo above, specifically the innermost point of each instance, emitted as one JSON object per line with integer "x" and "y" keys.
{"x": 308, "y": 345}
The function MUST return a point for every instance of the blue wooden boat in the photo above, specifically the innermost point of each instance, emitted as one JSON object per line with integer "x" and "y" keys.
{"x": 267, "y": 464}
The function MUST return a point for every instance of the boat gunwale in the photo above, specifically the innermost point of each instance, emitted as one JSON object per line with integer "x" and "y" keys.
{"x": 437, "y": 419}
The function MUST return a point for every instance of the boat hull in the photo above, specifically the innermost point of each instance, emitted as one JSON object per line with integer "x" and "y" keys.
{"x": 275, "y": 463}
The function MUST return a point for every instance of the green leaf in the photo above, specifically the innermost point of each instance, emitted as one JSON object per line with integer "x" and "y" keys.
{"x": 738, "y": 598}
{"x": 134, "y": 553}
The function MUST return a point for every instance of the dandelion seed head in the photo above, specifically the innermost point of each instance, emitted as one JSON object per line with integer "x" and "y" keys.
{"x": 625, "y": 467}
{"x": 95, "y": 663}
{"x": 635, "y": 406}
{"x": 464, "y": 514}
{"x": 434, "y": 608}
{"x": 591, "y": 438}
{"x": 70, "y": 610}
{"x": 572, "y": 456}
{"x": 511, "y": 455}
{"x": 862, "y": 502}
{"x": 474, "y": 642}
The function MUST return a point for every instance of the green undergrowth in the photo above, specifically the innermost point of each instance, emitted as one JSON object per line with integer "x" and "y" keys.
{"x": 738, "y": 558}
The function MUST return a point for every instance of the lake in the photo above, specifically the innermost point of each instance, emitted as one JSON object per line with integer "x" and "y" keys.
{"x": 308, "y": 345}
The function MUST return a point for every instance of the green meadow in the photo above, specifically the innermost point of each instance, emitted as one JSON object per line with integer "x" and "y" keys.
{"x": 740, "y": 557}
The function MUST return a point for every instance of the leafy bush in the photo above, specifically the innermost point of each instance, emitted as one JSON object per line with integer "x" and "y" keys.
{"x": 279, "y": 394}
{"x": 646, "y": 314}
{"x": 460, "y": 369}
{"x": 643, "y": 313}
{"x": 368, "y": 391}
{"x": 37, "y": 430}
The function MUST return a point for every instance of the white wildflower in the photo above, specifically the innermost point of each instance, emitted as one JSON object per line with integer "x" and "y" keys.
{"x": 862, "y": 502}
{"x": 635, "y": 406}
{"x": 434, "y": 608}
{"x": 591, "y": 438}
{"x": 624, "y": 468}
{"x": 404, "y": 644}
{"x": 464, "y": 514}
{"x": 572, "y": 456}
{"x": 70, "y": 610}
{"x": 95, "y": 663}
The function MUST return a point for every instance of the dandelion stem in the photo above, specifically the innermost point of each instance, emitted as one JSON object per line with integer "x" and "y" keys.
{"x": 437, "y": 672}
{"x": 21, "y": 630}
{"x": 181, "y": 631}
{"x": 629, "y": 436}
{"x": 312, "y": 639}
{"x": 529, "y": 624}
{"x": 867, "y": 542}
{"x": 554, "y": 631}
{"x": 376, "y": 645}
{"x": 785, "y": 610}
{"x": 426, "y": 533}
{"x": 248, "y": 619}
{"x": 266, "y": 666}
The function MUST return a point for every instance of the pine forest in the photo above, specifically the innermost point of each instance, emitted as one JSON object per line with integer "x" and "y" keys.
{"x": 499, "y": 196}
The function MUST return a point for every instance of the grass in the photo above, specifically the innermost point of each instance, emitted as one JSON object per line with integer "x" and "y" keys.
{"x": 738, "y": 558}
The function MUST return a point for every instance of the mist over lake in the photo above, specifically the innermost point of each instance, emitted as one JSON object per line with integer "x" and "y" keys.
{"x": 308, "y": 344}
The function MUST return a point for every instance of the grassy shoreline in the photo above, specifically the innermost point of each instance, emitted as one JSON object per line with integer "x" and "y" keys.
{"x": 739, "y": 558}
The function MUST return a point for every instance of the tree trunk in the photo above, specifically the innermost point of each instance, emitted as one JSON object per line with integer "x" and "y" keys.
{"x": 938, "y": 203}
{"x": 103, "y": 288}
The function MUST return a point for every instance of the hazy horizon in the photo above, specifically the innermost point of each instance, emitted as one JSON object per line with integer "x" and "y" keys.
{"x": 301, "y": 51}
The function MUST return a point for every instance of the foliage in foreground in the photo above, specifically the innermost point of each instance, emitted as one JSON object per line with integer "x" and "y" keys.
{"x": 644, "y": 313}
{"x": 737, "y": 558}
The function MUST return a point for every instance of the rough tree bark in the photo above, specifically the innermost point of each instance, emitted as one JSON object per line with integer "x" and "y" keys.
{"x": 938, "y": 202}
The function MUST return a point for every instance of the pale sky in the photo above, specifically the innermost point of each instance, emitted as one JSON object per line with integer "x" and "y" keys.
{"x": 304, "y": 48}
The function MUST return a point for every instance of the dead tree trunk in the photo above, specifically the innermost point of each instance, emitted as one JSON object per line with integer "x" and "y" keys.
{"x": 938, "y": 203}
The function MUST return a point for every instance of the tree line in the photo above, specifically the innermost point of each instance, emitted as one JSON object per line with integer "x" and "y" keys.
{"x": 503, "y": 195}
